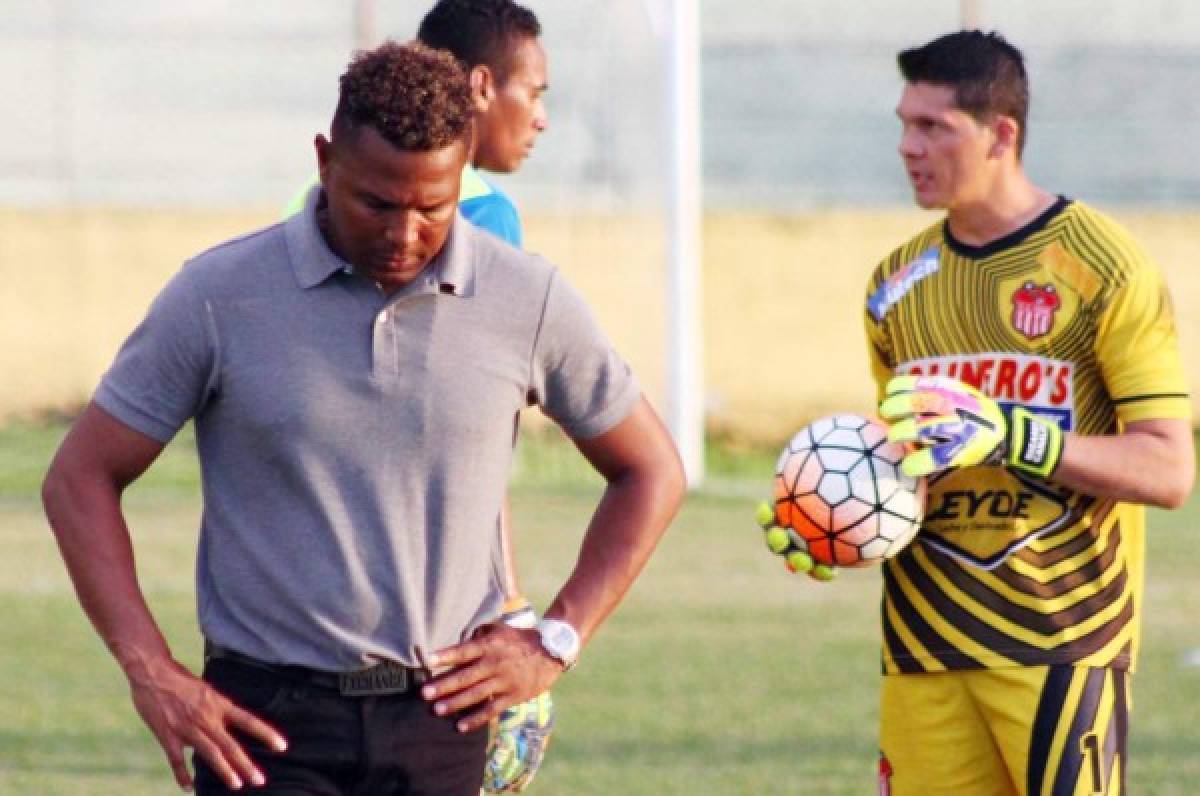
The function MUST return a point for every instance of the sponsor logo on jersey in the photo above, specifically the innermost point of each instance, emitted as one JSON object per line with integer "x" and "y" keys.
{"x": 982, "y": 515}
{"x": 1033, "y": 309}
{"x": 1042, "y": 385}
{"x": 985, "y": 504}
{"x": 898, "y": 284}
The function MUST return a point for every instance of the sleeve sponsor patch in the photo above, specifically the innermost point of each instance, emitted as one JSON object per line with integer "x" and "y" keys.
{"x": 898, "y": 284}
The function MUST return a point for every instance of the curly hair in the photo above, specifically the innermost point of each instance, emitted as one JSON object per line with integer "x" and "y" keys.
{"x": 416, "y": 97}
{"x": 479, "y": 31}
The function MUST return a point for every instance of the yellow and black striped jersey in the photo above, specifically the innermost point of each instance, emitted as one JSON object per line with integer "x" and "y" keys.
{"x": 1068, "y": 318}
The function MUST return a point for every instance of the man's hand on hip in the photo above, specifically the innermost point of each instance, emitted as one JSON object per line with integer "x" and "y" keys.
{"x": 499, "y": 667}
{"x": 183, "y": 712}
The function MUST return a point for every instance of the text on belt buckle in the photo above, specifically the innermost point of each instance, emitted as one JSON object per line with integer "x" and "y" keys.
{"x": 385, "y": 678}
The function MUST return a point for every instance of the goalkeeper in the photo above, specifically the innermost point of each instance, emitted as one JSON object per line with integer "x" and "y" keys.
{"x": 1025, "y": 346}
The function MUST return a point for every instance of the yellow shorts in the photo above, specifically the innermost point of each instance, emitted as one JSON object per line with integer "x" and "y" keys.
{"x": 1031, "y": 731}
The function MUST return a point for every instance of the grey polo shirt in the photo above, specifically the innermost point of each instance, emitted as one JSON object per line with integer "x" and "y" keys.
{"x": 354, "y": 446}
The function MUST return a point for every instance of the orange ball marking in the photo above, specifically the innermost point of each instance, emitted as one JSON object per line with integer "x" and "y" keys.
{"x": 822, "y": 551}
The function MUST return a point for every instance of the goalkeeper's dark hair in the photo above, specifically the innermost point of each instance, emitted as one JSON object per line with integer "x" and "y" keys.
{"x": 479, "y": 31}
{"x": 416, "y": 97}
{"x": 986, "y": 72}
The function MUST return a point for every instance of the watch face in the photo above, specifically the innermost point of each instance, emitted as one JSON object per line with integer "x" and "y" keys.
{"x": 560, "y": 640}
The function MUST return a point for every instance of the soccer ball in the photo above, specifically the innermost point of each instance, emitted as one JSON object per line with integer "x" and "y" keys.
{"x": 839, "y": 488}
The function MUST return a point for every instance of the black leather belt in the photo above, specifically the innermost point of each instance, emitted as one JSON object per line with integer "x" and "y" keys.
{"x": 384, "y": 678}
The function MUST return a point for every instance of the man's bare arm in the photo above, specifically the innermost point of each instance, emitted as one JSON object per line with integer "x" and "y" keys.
{"x": 1152, "y": 462}
{"x": 98, "y": 459}
{"x": 501, "y": 665}
{"x": 646, "y": 485}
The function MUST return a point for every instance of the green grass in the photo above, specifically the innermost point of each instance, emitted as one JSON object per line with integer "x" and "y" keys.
{"x": 720, "y": 674}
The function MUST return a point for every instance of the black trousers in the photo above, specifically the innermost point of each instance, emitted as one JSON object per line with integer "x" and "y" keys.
{"x": 338, "y": 745}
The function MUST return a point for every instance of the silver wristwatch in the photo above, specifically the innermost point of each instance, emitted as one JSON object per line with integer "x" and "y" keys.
{"x": 560, "y": 640}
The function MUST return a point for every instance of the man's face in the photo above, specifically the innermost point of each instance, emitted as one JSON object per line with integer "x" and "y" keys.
{"x": 389, "y": 210}
{"x": 511, "y": 113}
{"x": 947, "y": 153}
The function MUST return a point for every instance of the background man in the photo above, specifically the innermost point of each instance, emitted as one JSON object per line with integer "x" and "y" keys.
{"x": 1040, "y": 376}
{"x": 354, "y": 375}
{"x": 497, "y": 43}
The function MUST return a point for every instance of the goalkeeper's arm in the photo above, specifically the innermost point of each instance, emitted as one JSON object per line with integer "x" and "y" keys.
{"x": 1152, "y": 462}
{"x": 954, "y": 425}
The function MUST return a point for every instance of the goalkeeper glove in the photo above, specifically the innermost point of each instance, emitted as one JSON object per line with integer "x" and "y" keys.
{"x": 520, "y": 735}
{"x": 518, "y": 743}
{"x": 955, "y": 425}
{"x": 790, "y": 546}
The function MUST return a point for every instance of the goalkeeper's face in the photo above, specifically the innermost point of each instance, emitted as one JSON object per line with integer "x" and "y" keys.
{"x": 950, "y": 157}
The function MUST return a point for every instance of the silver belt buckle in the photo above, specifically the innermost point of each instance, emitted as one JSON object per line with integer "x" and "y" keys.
{"x": 384, "y": 678}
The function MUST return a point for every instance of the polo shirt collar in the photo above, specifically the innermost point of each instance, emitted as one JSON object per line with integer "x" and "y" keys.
{"x": 314, "y": 261}
{"x": 454, "y": 265}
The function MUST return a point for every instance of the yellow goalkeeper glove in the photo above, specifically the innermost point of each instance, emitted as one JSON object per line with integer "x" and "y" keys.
{"x": 955, "y": 425}
{"x": 790, "y": 546}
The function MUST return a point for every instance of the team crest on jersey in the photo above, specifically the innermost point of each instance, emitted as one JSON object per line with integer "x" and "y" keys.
{"x": 898, "y": 284}
{"x": 1033, "y": 308}
{"x": 1040, "y": 303}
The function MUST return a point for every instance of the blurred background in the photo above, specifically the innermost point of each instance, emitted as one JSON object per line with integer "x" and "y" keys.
{"x": 137, "y": 134}
{"x": 202, "y": 103}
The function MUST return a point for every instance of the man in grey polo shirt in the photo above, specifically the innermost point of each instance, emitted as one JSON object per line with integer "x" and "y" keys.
{"x": 355, "y": 375}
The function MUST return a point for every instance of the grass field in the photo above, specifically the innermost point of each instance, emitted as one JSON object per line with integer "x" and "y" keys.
{"x": 720, "y": 674}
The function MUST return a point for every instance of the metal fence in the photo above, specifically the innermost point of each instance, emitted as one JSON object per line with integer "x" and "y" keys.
{"x": 211, "y": 102}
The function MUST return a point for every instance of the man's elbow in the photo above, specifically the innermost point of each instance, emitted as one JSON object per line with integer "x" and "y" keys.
{"x": 54, "y": 492}
{"x": 1177, "y": 489}
{"x": 663, "y": 477}
{"x": 674, "y": 480}
{"x": 63, "y": 492}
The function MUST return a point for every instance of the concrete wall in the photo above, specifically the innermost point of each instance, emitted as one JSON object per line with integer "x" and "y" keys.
{"x": 782, "y": 298}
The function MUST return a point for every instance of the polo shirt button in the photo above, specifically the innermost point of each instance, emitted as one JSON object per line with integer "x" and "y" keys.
{"x": 382, "y": 317}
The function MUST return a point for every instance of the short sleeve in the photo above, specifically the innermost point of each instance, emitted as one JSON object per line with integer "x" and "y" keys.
{"x": 1138, "y": 350}
{"x": 878, "y": 350}
{"x": 577, "y": 378}
{"x": 166, "y": 369}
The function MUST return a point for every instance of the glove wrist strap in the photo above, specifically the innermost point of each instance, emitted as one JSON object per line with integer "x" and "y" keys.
{"x": 517, "y": 612}
{"x": 1035, "y": 445}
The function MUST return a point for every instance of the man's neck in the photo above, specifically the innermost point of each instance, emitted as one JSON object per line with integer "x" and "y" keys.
{"x": 1008, "y": 207}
